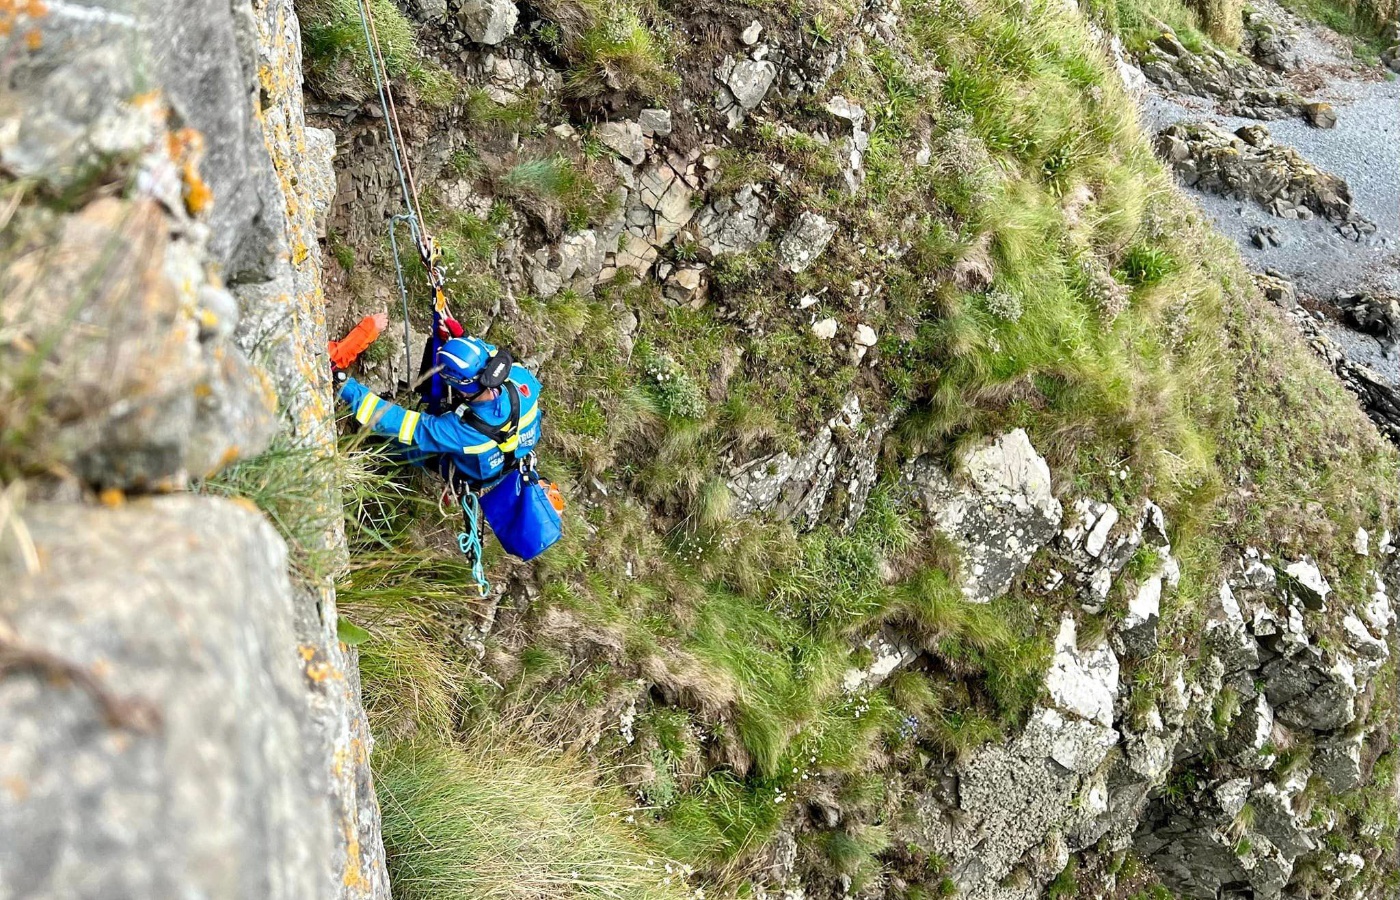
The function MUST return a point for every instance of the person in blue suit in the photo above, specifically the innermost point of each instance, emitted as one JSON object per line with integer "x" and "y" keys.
{"x": 495, "y": 425}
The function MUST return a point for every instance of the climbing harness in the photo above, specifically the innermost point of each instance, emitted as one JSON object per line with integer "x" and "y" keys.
{"x": 427, "y": 248}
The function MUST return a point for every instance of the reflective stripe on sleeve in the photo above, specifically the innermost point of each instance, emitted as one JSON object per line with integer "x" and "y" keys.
{"x": 410, "y": 424}
{"x": 366, "y": 409}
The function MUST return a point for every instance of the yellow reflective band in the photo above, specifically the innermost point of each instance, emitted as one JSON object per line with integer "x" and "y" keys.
{"x": 529, "y": 415}
{"x": 410, "y": 424}
{"x": 479, "y": 448}
{"x": 510, "y": 444}
{"x": 366, "y": 409}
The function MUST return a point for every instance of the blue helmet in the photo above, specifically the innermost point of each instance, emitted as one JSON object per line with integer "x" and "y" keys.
{"x": 462, "y": 359}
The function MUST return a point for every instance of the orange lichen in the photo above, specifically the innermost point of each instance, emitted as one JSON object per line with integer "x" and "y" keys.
{"x": 23, "y": 13}
{"x": 246, "y": 504}
{"x": 186, "y": 148}
{"x": 112, "y": 497}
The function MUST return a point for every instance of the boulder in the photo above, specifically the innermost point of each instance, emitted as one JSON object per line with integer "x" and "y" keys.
{"x": 176, "y": 766}
{"x": 733, "y": 224}
{"x": 624, "y": 139}
{"x": 487, "y": 21}
{"x": 999, "y": 511}
{"x": 805, "y": 241}
{"x": 655, "y": 122}
{"x": 1320, "y": 114}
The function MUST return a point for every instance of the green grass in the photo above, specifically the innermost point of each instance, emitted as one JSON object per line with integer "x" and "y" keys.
{"x": 494, "y": 816}
{"x": 609, "y": 47}
{"x": 337, "y": 58}
{"x": 1102, "y": 316}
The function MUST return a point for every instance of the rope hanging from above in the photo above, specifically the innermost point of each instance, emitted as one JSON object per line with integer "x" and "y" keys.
{"x": 427, "y": 248}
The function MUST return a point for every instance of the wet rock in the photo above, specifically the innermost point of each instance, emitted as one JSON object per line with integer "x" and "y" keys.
{"x": 805, "y": 241}
{"x": 487, "y": 21}
{"x": 999, "y": 510}
{"x": 192, "y": 777}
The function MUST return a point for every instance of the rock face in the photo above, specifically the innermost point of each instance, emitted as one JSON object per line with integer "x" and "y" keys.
{"x": 998, "y": 514}
{"x": 1241, "y": 87}
{"x": 802, "y": 486}
{"x": 203, "y": 786}
{"x": 1268, "y": 680}
{"x": 210, "y": 311}
{"x": 1248, "y": 165}
{"x": 1272, "y": 43}
{"x": 1363, "y": 361}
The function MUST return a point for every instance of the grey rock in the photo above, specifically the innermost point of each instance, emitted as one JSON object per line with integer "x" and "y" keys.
{"x": 733, "y": 224}
{"x": 1305, "y": 582}
{"x": 135, "y": 399}
{"x": 430, "y": 10}
{"x": 805, "y": 241}
{"x": 625, "y": 139}
{"x": 744, "y": 84}
{"x": 750, "y": 34}
{"x": 1309, "y": 692}
{"x": 889, "y": 652}
{"x": 211, "y": 791}
{"x": 1271, "y": 42}
{"x": 487, "y": 21}
{"x": 802, "y": 486}
{"x": 1338, "y": 761}
{"x": 1083, "y": 683}
{"x": 655, "y": 122}
{"x": 1249, "y": 165}
{"x": 999, "y": 512}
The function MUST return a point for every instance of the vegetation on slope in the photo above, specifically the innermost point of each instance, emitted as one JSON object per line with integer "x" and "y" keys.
{"x": 1040, "y": 272}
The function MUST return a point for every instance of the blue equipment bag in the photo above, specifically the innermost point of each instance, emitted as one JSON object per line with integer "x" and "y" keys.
{"x": 521, "y": 515}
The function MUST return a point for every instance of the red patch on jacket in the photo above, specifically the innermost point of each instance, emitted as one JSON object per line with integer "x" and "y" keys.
{"x": 524, "y": 390}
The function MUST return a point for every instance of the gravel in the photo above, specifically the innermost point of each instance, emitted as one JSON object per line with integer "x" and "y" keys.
{"x": 1364, "y": 148}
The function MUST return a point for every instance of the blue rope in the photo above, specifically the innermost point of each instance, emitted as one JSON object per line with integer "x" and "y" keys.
{"x": 469, "y": 541}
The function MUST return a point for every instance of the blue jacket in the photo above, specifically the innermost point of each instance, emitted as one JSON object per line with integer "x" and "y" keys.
{"x": 479, "y": 458}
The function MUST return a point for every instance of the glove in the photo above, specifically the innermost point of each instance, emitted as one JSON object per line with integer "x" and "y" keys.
{"x": 338, "y": 376}
{"x": 450, "y": 328}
